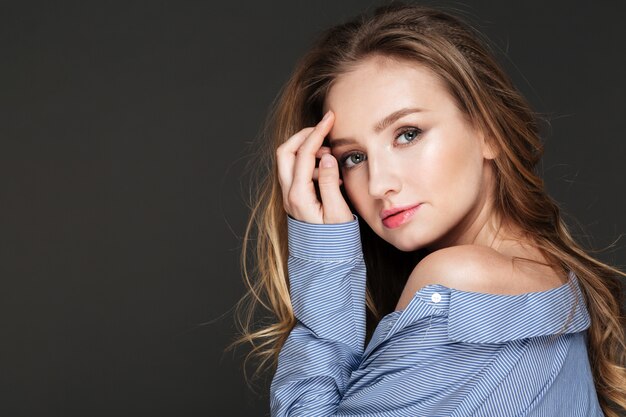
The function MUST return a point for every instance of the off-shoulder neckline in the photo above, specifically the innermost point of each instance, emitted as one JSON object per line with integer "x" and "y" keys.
{"x": 477, "y": 317}
{"x": 572, "y": 280}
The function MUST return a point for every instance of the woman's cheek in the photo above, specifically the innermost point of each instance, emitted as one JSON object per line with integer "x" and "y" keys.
{"x": 350, "y": 187}
{"x": 357, "y": 191}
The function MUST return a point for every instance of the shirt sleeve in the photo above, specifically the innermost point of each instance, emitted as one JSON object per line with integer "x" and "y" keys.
{"x": 327, "y": 280}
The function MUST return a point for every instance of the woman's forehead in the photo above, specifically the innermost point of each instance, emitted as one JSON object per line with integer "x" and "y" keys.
{"x": 376, "y": 81}
{"x": 373, "y": 90}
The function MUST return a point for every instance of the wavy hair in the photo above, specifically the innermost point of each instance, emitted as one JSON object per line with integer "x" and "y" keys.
{"x": 461, "y": 57}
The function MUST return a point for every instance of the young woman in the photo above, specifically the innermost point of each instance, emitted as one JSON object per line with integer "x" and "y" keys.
{"x": 406, "y": 246}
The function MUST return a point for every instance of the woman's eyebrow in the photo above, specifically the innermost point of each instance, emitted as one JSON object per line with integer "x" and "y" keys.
{"x": 380, "y": 126}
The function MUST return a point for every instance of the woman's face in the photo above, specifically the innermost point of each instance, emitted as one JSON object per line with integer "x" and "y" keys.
{"x": 425, "y": 154}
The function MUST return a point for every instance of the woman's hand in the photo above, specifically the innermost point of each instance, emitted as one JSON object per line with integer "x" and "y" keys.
{"x": 296, "y": 173}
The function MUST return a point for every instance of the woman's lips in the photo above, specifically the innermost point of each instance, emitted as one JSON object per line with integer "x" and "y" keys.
{"x": 400, "y": 218}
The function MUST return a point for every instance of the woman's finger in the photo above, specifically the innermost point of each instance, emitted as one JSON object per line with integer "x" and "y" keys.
{"x": 286, "y": 158}
{"x": 305, "y": 155}
{"x": 316, "y": 176}
{"x": 334, "y": 206}
{"x": 322, "y": 151}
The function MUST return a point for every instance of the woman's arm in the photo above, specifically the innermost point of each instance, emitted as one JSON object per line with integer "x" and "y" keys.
{"x": 327, "y": 286}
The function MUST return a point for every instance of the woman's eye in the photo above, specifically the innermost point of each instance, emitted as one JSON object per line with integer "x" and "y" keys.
{"x": 409, "y": 134}
{"x": 353, "y": 159}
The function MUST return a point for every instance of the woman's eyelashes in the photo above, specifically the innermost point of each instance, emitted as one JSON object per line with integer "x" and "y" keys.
{"x": 345, "y": 161}
{"x": 409, "y": 134}
{"x": 414, "y": 131}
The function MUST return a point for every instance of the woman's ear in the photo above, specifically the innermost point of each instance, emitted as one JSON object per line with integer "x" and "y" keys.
{"x": 489, "y": 146}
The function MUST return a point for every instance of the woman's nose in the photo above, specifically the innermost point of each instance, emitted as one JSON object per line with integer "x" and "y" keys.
{"x": 383, "y": 178}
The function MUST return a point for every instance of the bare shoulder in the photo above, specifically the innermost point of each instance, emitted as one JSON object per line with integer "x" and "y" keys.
{"x": 477, "y": 268}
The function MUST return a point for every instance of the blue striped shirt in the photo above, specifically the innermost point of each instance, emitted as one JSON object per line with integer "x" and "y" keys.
{"x": 448, "y": 353}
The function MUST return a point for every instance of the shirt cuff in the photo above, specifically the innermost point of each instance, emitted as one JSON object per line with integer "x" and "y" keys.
{"x": 335, "y": 241}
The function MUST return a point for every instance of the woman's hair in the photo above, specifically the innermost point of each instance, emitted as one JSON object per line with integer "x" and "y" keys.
{"x": 459, "y": 56}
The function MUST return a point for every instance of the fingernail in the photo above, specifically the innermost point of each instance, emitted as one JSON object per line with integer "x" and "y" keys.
{"x": 326, "y": 116}
{"x": 327, "y": 161}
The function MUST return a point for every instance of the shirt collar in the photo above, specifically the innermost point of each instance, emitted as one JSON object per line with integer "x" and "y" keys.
{"x": 493, "y": 318}
{"x": 475, "y": 317}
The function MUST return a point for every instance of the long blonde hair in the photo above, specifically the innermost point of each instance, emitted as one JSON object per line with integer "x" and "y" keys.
{"x": 459, "y": 55}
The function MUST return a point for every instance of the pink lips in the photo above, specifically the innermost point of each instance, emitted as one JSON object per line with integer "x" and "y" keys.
{"x": 395, "y": 217}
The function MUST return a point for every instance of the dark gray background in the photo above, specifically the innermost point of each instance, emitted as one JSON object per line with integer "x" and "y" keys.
{"x": 125, "y": 129}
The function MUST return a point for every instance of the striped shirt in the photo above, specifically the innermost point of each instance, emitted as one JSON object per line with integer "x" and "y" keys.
{"x": 448, "y": 353}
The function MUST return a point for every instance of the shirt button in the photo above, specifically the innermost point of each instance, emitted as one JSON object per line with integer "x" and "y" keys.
{"x": 436, "y": 297}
